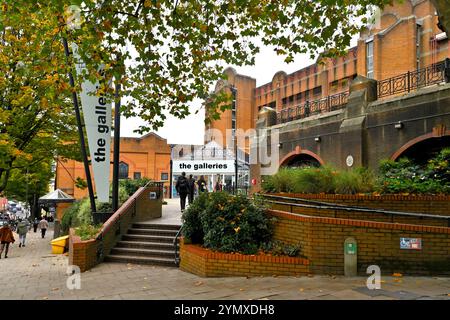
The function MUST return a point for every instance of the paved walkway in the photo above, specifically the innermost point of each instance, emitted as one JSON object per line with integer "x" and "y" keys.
{"x": 34, "y": 273}
{"x": 171, "y": 213}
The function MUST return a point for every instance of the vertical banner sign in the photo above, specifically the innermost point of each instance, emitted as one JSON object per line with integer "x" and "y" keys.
{"x": 97, "y": 120}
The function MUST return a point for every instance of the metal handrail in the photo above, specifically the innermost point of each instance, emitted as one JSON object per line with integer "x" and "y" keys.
{"x": 175, "y": 241}
{"x": 326, "y": 205}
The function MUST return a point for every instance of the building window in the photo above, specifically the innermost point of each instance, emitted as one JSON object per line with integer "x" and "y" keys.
{"x": 317, "y": 91}
{"x": 369, "y": 59}
{"x": 334, "y": 85}
{"x": 123, "y": 170}
{"x": 136, "y": 175}
{"x": 164, "y": 176}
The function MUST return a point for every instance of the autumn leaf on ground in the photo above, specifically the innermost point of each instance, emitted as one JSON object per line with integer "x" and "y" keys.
{"x": 301, "y": 289}
{"x": 55, "y": 289}
{"x": 241, "y": 289}
{"x": 198, "y": 283}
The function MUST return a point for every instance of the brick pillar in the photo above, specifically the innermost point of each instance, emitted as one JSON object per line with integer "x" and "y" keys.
{"x": 352, "y": 130}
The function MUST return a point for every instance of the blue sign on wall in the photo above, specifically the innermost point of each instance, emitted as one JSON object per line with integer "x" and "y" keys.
{"x": 411, "y": 243}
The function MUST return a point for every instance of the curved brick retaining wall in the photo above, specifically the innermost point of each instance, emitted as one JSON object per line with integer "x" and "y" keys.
{"x": 322, "y": 241}
{"x": 207, "y": 263}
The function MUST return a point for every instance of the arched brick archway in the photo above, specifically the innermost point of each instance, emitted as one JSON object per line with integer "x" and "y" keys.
{"x": 438, "y": 132}
{"x": 297, "y": 152}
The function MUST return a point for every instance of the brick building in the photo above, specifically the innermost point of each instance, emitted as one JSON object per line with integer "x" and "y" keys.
{"x": 404, "y": 37}
{"x": 147, "y": 156}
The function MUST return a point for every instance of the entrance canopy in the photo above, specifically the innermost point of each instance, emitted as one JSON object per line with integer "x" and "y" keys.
{"x": 56, "y": 196}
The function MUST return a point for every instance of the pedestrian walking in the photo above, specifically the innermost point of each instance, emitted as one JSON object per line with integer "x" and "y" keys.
{"x": 43, "y": 225}
{"x": 35, "y": 224}
{"x": 22, "y": 229}
{"x": 6, "y": 237}
{"x": 202, "y": 185}
{"x": 218, "y": 187}
{"x": 191, "y": 182}
{"x": 182, "y": 188}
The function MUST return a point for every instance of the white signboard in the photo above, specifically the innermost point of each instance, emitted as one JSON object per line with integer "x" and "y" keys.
{"x": 97, "y": 119}
{"x": 203, "y": 166}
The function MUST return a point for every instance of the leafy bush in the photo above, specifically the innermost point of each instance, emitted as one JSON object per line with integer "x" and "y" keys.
{"x": 227, "y": 223}
{"x": 404, "y": 176}
{"x": 87, "y": 231}
{"x": 69, "y": 216}
{"x": 79, "y": 213}
{"x": 192, "y": 227}
{"x": 131, "y": 186}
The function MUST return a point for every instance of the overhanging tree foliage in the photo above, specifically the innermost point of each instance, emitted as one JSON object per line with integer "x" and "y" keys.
{"x": 35, "y": 115}
{"x": 174, "y": 51}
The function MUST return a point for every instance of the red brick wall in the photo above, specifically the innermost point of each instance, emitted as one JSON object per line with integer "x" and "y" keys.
{"x": 322, "y": 240}
{"x": 138, "y": 207}
{"x": 207, "y": 263}
{"x": 82, "y": 253}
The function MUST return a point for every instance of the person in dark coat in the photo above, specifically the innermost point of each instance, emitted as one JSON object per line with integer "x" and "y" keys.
{"x": 201, "y": 183}
{"x": 191, "y": 182}
{"x": 6, "y": 237}
{"x": 182, "y": 188}
{"x": 218, "y": 187}
{"x": 35, "y": 224}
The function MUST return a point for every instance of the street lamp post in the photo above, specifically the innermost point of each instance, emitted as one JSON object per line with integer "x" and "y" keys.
{"x": 171, "y": 168}
{"x": 233, "y": 128}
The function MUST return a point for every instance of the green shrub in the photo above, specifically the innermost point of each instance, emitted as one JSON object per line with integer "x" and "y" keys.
{"x": 87, "y": 231}
{"x": 69, "y": 216}
{"x": 405, "y": 176}
{"x": 131, "y": 186}
{"x": 314, "y": 180}
{"x": 234, "y": 224}
{"x": 192, "y": 227}
{"x": 324, "y": 179}
{"x": 359, "y": 180}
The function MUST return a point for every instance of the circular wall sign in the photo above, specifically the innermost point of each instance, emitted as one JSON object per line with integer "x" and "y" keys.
{"x": 349, "y": 160}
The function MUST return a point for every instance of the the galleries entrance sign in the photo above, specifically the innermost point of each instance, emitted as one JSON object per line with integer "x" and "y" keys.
{"x": 97, "y": 119}
{"x": 203, "y": 166}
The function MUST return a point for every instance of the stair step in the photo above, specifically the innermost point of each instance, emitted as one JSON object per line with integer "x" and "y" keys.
{"x": 147, "y": 238}
{"x": 145, "y": 245}
{"x": 152, "y": 232}
{"x": 143, "y": 252}
{"x": 140, "y": 260}
{"x": 146, "y": 225}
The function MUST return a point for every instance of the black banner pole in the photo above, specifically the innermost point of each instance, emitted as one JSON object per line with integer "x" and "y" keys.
{"x": 80, "y": 132}
{"x": 115, "y": 187}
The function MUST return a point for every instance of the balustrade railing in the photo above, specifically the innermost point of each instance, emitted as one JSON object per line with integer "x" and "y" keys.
{"x": 309, "y": 108}
{"x": 407, "y": 82}
{"x": 413, "y": 80}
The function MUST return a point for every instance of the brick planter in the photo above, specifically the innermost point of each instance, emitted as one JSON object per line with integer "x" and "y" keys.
{"x": 82, "y": 253}
{"x": 207, "y": 263}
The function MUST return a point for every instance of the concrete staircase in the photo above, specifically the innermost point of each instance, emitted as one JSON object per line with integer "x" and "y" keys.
{"x": 146, "y": 243}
